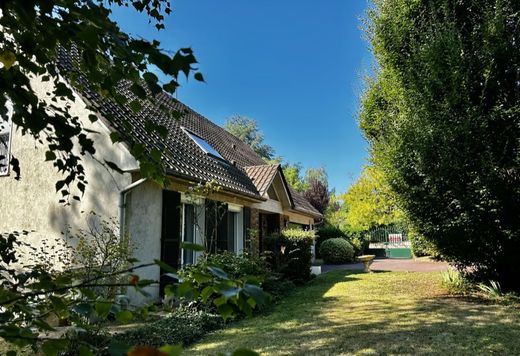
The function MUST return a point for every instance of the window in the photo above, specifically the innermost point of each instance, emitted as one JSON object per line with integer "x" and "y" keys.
{"x": 188, "y": 256}
{"x": 5, "y": 147}
{"x": 224, "y": 226}
{"x": 206, "y": 147}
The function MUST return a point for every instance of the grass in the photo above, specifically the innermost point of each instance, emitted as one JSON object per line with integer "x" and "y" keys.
{"x": 345, "y": 312}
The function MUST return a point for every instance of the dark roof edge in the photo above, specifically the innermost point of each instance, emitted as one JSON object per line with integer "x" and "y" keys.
{"x": 227, "y": 189}
{"x": 285, "y": 185}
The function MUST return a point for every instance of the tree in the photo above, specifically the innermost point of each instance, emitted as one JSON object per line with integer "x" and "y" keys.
{"x": 371, "y": 202}
{"x": 247, "y": 130}
{"x": 34, "y": 31}
{"x": 317, "y": 194}
{"x": 442, "y": 115}
{"x": 336, "y": 213}
{"x": 312, "y": 174}
{"x": 292, "y": 174}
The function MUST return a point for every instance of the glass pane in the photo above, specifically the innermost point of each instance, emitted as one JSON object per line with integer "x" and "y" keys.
{"x": 206, "y": 147}
{"x": 189, "y": 233}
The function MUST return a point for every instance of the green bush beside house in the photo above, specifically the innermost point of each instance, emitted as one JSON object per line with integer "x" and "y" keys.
{"x": 337, "y": 251}
{"x": 290, "y": 254}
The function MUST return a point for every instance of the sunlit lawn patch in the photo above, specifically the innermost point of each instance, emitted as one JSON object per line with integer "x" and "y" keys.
{"x": 378, "y": 313}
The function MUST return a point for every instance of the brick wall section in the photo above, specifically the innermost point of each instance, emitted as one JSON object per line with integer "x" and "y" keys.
{"x": 255, "y": 219}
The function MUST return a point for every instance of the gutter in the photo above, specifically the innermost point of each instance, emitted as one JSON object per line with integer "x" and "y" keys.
{"x": 122, "y": 205}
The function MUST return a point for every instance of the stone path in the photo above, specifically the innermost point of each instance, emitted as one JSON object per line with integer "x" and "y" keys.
{"x": 386, "y": 264}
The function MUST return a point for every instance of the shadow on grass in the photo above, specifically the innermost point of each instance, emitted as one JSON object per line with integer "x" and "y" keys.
{"x": 352, "y": 313}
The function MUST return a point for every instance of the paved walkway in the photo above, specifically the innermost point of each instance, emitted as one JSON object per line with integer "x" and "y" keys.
{"x": 386, "y": 264}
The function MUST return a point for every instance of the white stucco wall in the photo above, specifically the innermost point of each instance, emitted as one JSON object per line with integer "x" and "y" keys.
{"x": 143, "y": 226}
{"x": 32, "y": 202}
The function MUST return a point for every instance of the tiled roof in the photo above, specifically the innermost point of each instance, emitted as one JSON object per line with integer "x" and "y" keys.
{"x": 302, "y": 204}
{"x": 245, "y": 172}
{"x": 262, "y": 176}
{"x": 182, "y": 156}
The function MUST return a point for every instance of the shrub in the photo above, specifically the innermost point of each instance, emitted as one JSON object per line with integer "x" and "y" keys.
{"x": 455, "y": 282}
{"x": 337, "y": 251}
{"x": 185, "y": 325}
{"x": 420, "y": 246}
{"x": 325, "y": 233}
{"x": 277, "y": 286}
{"x": 209, "y": 278}
{"x": 291, "y": 253}
{"x": 237, "y": 266}
{"x": 360, "y": 241}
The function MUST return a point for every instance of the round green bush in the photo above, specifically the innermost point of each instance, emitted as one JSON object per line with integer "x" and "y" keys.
{"x": 336, "y": 251}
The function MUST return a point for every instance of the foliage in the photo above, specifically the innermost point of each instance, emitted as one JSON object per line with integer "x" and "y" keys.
{"x": 442, "y": 118}
{"x": 336, "y": 251}
{"x": 32, "y": 34}
{"x": 455, "y": 282}
{"x": 421, "y": 246}
{"x": 291, "y": 253}
{"x": 277, "y": 286}
{"x": 336, "y": 213}
{"x": 236, "y": 266}
{"x": 210, "y": 285}
{"x": 326, "y": 232}
{"x": 315, "y": 174}
{"x": 247, "y": 130}
{"x": 292, "y": 174}
{"x": 183, "y": 326}
{"x": 317, "y": 194}
{"x": 493, "y": 289}
{"x": 371, "y": 202}
{"x": 253, "y": 242}
{"x": 99, "y": 250}
{"x": 360, "y": 242}
{"x": 31, "y": 293}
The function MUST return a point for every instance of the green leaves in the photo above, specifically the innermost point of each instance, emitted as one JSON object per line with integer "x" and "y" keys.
{"x": 7, "y": 58}
{"x": 192, "y": 246}
{"x": 171, "y": 350}
{"x": 52, "y": 347}
{"x": 103, "y": 309}
{"x": 225, "y": 311}
{"x": 124, "y": 316}
{"x": 437, "y": 115}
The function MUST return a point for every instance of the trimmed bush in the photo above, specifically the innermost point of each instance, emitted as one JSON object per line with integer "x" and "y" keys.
{"x": 184, "y": 326}
{"x": 325, "y": 233}
{"x": 337, "y": 251}
{"x": 291, "y": 253}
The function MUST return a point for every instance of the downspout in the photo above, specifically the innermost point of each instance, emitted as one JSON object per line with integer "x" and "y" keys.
{"x": 122, "y": 205}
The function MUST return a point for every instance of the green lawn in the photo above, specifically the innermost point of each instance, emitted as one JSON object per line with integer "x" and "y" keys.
{"x": 379, "y": 313}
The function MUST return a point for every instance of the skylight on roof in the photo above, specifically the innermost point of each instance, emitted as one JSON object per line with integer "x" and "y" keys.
{"x": 206, "y": 147}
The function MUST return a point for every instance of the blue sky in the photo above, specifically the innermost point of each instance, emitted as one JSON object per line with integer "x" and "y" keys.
{"x": 294, "y": 66}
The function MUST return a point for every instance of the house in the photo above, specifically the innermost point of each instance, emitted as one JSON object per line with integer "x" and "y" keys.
{"x": 253, "y": 197}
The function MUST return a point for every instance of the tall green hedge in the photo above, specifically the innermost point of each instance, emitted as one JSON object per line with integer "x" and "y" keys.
{"x": 291, "y": 253}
